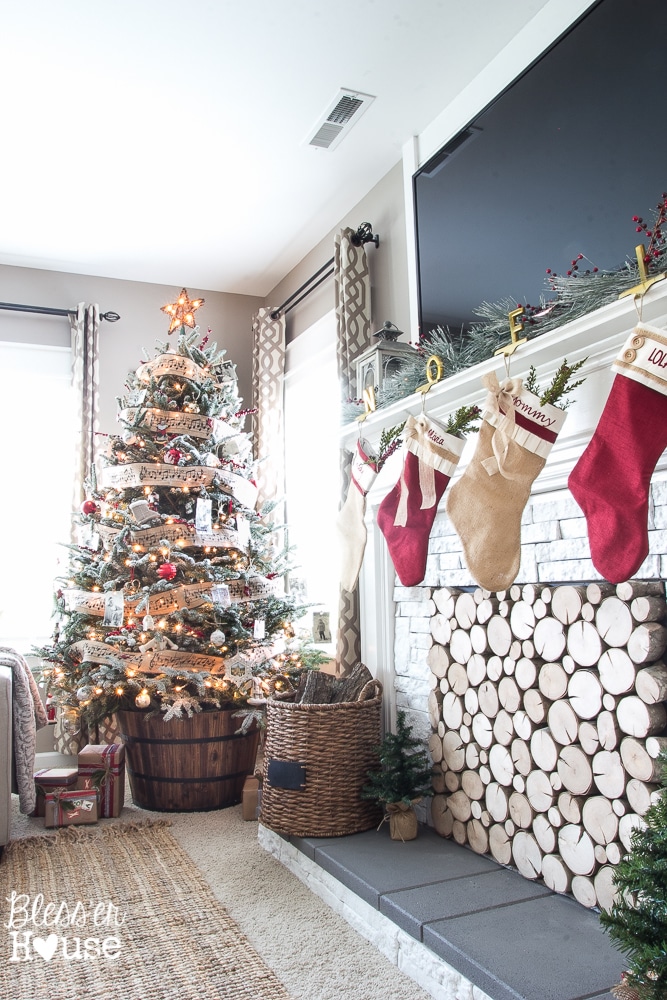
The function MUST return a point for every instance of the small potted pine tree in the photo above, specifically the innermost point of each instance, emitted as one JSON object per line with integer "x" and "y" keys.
{"x": 404, "y": 777}
{"x": 637, "y": 921}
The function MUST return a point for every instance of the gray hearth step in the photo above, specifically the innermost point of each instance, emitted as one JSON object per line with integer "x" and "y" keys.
{"x": 511, "y": 937}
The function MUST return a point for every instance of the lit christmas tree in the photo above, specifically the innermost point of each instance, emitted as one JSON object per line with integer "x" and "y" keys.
{"x": 174, "y": 600}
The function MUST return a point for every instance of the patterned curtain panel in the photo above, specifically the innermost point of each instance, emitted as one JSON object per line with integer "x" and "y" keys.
{"x": 353, "y": 320}
{"x": 85, "y": 331}
{"x": 268, "y": 371}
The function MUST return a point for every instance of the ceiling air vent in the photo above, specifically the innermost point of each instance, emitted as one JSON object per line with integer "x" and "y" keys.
{"x": 344, "y": 111}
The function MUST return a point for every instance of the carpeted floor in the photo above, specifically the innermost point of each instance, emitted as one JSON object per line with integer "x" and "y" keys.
{"x": 311, "y": 950}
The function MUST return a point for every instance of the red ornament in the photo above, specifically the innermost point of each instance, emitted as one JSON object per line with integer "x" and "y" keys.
{"x": 167, "y": 571}
{"x": 88, "y": 507}
{"x": 173, "y": 456}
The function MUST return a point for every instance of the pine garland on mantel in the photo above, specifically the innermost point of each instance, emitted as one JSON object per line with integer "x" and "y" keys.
{"x": 572, "y": 295}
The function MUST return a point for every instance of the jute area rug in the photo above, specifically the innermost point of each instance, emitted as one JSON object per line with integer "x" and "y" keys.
{"x": 119, "y": 913}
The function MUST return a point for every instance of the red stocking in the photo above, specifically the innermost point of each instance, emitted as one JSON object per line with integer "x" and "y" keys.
{"x": 611, "y": 480}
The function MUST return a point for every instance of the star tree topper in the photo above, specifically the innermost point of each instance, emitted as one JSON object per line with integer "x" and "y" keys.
{"x": 182, "y": 311}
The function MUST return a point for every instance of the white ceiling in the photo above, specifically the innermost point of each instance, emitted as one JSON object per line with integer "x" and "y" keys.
{"x": 163, "y": 140}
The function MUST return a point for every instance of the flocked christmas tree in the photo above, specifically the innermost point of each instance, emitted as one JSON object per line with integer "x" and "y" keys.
{"x": 174, "y": 600}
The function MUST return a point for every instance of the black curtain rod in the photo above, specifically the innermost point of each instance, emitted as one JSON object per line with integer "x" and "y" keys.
{"x": 110, "y": 317}
{"x": 364, "y": 234}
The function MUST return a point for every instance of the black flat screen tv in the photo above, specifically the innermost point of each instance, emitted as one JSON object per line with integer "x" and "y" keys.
{"x": 556, "y": 166}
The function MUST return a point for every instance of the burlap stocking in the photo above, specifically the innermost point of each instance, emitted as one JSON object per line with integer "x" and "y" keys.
{"x": 611, "y": 480}
{"x": 406, "y": 514}
{"x": 350, "y": 525}
{"x": 486, "y": 504}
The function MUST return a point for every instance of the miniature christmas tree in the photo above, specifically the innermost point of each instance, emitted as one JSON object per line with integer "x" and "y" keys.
{"x": 174, "y": 599}
{"x": 637, "y": 921}
{"x": 406, "y": 772}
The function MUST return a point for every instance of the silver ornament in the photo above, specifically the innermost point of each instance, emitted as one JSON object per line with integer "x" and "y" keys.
{"x": 142, "y": 700}
{"x": 217, "y": 637}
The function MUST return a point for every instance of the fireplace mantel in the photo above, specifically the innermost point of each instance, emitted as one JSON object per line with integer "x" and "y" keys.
{"x": 597, "y": 338}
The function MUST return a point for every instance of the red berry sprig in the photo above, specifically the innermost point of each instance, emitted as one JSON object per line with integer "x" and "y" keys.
{"x": 655, "y": 235}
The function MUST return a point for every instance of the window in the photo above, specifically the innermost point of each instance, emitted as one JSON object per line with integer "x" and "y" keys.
{"x": 312, "y": 436}
{"x": 37, "y": 411}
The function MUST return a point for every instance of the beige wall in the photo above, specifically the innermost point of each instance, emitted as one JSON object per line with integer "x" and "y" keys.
{"x": 141, "y": 323}
{"x": 383, "y": 207}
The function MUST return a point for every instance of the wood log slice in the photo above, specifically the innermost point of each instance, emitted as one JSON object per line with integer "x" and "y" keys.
{"x": 521, "y": 811}
{"x": 515, "y": 650}
{"x": 540, "y": 609}
{"x": 479, "y": 639}
{"x": 441, "y": 816}
{"x": 554, "y": 817}
{"x": 620, "y": 807}
{"x": 485, "y": 818}
{"x": 522, "y": 620}
{"x": 655, "y": 745}
{"x": 499, "y": 635}
{"x": 566, "y": 603}
{"x": 617, "y": 671}
{"x": 584, "y": 693}
{"x": 528, "y": 649}
{"x": 576, "y": 849}
{"x": 563, "y": 722}
{"x": 438, "y": 782}
{"x": 588, "y": 612}
{"x": 525, "y": 673}
{"x": 500, "y": 844}
{"x": 549, "y": 639}
{"x": 519, "y": 783}
{"x": 478, "y": 838}
{"x": 535, "y": 705}
{"x": 609, "y": 774}
{"x": 648, "y": 609}
{"x": 545, "y": 594}
{"x": 529, "y": 593}
{"x": 544, "y": 834}
{"x": 575, "y": 771}
{"x": 472, "y": 785}
{"x": 482, "y": 730}
{"x": 600, "y": 854}
{"x": 626, "y": 824}
{"x": 459, "y": 832}
{"x": 543, "y": 749}
{"x": 476, "y": 809}
{"x": 503, "y": 728}
{"x": 434, "y": 708}
{"x": 515, "y": 592}
{"x": 569, "y": 666}
{"x": 614, "y": 853}
{"x": 639, "y": 795}
{"x": 509, "y": 694}
{"x": 444, "y": 600}
{"x": 435, "y": 748}
{"x": 459, "y": 806}
{"x": 488, "y": 699}
{"x": 465, "y": 610}
{"x": 583, "y": 891}
{"x": 504, "y": 609}
{"x": 453, "y": 751}
{"x": 471, "y": 701}
{"x": 570, "y": 807}
{"x": 476, "y": 669}
{"x": 472, "y": 756}
{"x": 460, "y": 646}
{"x": 452, "y": 710}
{"x": 636, "y": 718}
{"x": 438, "y": 660}
{"x": 651, "y": 683}
{"x": 452, "y": 781}
{"x": 494, "y": 668}
{"x": 599, "y": 819}
{"x": 614, "y": 621}
{"x": 520, "y": 753}
{"x": 596, "y": 592}
{"x": 647, "y": 642}
{"x": 485, "y": 774}
{"x": 556, "y": 874}
{"x": 605, "y": 891}
{"x": 637, "y": 761}
{"x": 588, "y": 738}
{"x": 501, "y": 764}
{"x": 527, "y": 855}
{"x": 630, "y": 589}
{"x": 523, "y": 725}
{"x": 583, "y": 643}
{"x": 440, "y": 629}
{"x": 608, "y": 730}
{"x": 510, "y": 828}
{"x": 486, "y": 609}
{"x": 509, "y": 663}
{"x": 552, "y": 681}
{"x": 457, "y": 677}
{"x": 556, "y": 781}
{"x": 539, "y": 792}
{"x": 497, "y": 802}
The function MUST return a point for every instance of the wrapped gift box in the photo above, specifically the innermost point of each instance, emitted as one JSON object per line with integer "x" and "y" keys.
{"x": 50, "y": 778}
{"x": 250, "y": 798}
{"x": 102, "y": 768}
{"x": 70, "y": 808}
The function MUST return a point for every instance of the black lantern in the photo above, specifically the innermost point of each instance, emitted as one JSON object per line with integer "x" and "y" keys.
{"x": 383, "y": 359}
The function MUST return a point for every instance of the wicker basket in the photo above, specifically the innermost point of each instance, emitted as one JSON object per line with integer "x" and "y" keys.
{"x": 316, "y": 759}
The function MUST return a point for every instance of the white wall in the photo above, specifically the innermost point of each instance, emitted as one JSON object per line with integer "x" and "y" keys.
{"x": 141, "y": 323}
